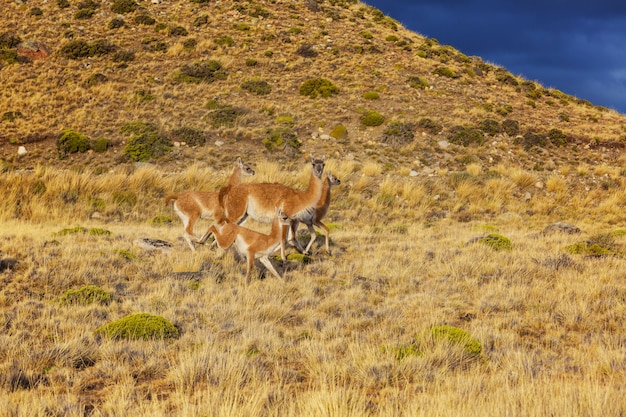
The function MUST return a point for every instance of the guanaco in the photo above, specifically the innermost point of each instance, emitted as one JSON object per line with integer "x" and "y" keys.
{"x": 253, "y": 244}
{"x": 192, "y": 205}
{"x": 321, "y": 209}
{"x": 258, "y": 200}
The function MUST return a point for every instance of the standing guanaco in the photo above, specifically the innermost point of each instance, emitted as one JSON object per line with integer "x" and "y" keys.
{"x": 258, "y": 200}
{"x": 253, "y": 244}
{"x": 321, "y": 209}
{"x": 192, "y": 205}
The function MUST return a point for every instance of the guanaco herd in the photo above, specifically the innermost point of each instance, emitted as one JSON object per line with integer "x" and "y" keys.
{"x": 284, "y": 207}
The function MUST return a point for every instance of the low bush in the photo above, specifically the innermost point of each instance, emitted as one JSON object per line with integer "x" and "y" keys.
{"x": 100, "y": 145}
{"x": 557, "y": 137}
{"x": 398, "y": 133}
{"x": 466, "y": 136}
{"x": 116, "y": 23}
{"x": 178, "y": 31}
{"x": 191, "y": 136}
{"x": 144, "y": 19}
{"x": 339, "y": 132}
{"x": 445, "y": 72}
{"x": 318, "y": 87}
{"x": 430, "y": 125}
{"x": 206, "y": 71}
{"x": 86, "y": 295}
{"x": 490, "y": 126}
{"x": 123, "y": 56}
{"x": 371, "y": 95}
{"x": 510, "y": 127}
{"x": 145, "y": 142}
{"x": 531, "y": 139}
{"x": 496, "y": 242}
{"x": 225, "y": 116}
{"x": 70, "y": 141}
{"x": 279, "y": 138}
{"x": 372, "y": 118}
{"x": 307, "y": 51}
{"x": 141, "y": 326}
{"x": 96, "y": 79}
{"x": 258, "y": 87}
{"x": 123, "y": 6}
{"x": 505, "y": 77}
{"x": 418, "y": 82}
{"x": 224, "y": 41}
{"x": 456, "y": 336}
{"x": 80, "y": 48}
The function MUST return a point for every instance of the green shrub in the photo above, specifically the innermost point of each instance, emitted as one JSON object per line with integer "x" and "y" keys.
{"x": 178, "y": 31}
{"x": 505, "y": 110}
{"x": 80, "y": 48}
{"x": 459, "y": 337}
{"x": 510, "y": 127}
{"x": 251, "y": 62}
{"x": 70, "y": 141}
{"x": 97, "y": 231}
{"x": 96, "y": 79}
{"x": 398, "y": 133}
{"x": 36, "y": 12}
{"x": 11, "y": 116}
{"x": 315, "y": 87}
{"x": 225, "y": 116}
{"x": 466, "y": 136}
{"x": 557, "y": 137}
{"x": 190, "y": 44}
{"x": 63, "y": 4}
{"x": 418, "y": 82}
{"x": 72, "y": 231}
{"x": 191, "y": 136}
{"x": 371, "y": 95}
{"x": 224, "y": 41}
{"x": 145, "y": 142}
{"x": 144, "y": 19}
{"x": 279, "y": 138}
{"x": 9, "y": 41}
{"x": 430, "y": 125}
{"x": 339, "y": 132}
{"x": 160, "y": 220}
{"x": 258, "y": 87}
{"x": 445, "y": 72}
{"x": 531, "y": 140}
{"x": 505, "y": 77}
{"x": 285, "y": 119}
{"x": 116, "y": 23}
{"x": 86, "y": 295}
{"x": 392, "y": 38}
{"x": 123, "y": 6}
{"x": 126, "y": 254}
{"x": 141, "y": 326}
{"x": 206, "y": 71}
{"x": 201, "y": 20}
{"x": 100, "y": 145}
{"x": 496, "y": 242}
{"x": 306, "y": 50}
{"x": 490, "y": 126}
{"x": 123, "y": 56}
{"x": 372, "y": 118}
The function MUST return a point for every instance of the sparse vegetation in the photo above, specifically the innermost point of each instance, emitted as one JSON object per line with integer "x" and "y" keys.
{"x": 258, "y": 87}
{"x": 318, "y": 87}
{"x": 205, "y": 71}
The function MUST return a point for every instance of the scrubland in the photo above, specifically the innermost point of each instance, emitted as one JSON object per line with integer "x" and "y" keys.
{"x": 344, "y": 334}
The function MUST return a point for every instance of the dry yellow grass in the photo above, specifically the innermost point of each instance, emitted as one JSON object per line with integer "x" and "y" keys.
{"x": 343, "y": 335}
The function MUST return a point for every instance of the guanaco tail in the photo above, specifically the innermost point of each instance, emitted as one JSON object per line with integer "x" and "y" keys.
{"x": 253, "y": 244}
{"x": 193, "y": 205}
{"x": 321, "y": 209}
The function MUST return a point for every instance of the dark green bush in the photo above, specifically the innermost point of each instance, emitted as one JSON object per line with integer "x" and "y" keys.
{"x": 224, "y": 41}
{"x": 503, "y": 111}
{"x": 201, "y": 20}
{"x": 510, "y": 127}
{"x": 144, "y": 19}
{"x": 100, "y": 145}
{"x": 11, "y": 116}
{"x": 430, "y": 125}
{"x": 139, "y": 327}
{"x": 191, "y": 136}
{"x": 63, "y": 4}
{"x": 531, "y": 140}
{"x": 398, "y": 133}
{"x": 96, "y": 79}
{"x": 557, "y": 137}
{"x": 506, "y": 77}
{"x": 315, "y": 87}
{"x": 178, "y": 31}
{"x": 490, "y": 126}
{"x": 123, "y": 56}
{"x": 371, "y": 95}
{"x": 9, "y": 41}
{"x": 123, "y": 6}
{"x": 418, "y": 82}
{"x": 190, "y": 44}
{"x": 206, "y": 71}
{"x": 86, "y": 295}
{"x": 35, "y": 12}
{"x": 70, "y": 141}
{"x": 258, "y": 87}
{"x": 465, "y": 136}
{"x": 116, "y": 23}
{"x": 225, "y": 116}
{"x": 372, "y": 118}
{"x": 80, "y": 48}
{"x": 145, "y": 142}
{"x": 251, "y": 62}
{"x": 279, "y": 138}
{"x": 496, "y": 242}
{"x": 445, "y": 72}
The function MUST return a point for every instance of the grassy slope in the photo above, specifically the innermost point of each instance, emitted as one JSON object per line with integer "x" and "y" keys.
{"x": 325, "y": 341}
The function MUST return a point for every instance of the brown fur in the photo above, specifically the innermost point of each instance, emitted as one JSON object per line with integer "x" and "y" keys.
{"x": 253, "y": 244}
{"x": 258, "y": 200}
{"x": 321, "y": 209}
{"x": 193, "y": 205}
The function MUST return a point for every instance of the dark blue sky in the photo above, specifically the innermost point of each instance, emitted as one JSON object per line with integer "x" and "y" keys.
{"x": 578, "y": 47}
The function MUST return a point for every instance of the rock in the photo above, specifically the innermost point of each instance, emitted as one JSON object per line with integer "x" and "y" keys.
{"x": 153, "y": 244}
{"x": 22, "y": 151}
{"x": 561, "y": 228}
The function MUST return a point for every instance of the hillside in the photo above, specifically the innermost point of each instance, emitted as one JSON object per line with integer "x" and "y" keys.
{"x": 230, "y": 73}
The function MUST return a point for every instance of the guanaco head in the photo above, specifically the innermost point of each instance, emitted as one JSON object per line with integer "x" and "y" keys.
{"x": 318, "y": 166}
{"x": 332, "y": 180}
{"x": 244, "y": 168}
{"x": 283, "y": 219}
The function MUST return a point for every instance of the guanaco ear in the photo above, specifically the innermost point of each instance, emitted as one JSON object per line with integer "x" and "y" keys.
{"x": 239, "y": 162}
